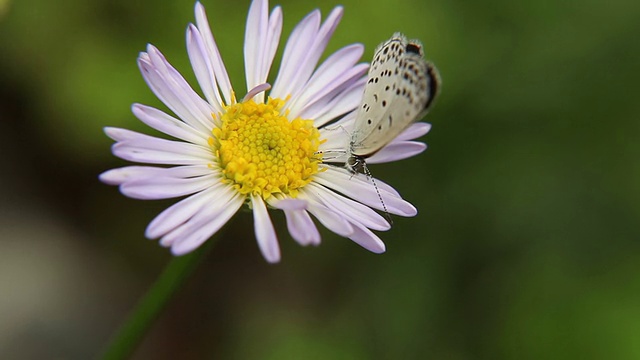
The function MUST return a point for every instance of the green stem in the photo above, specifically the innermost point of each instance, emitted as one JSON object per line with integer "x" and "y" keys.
{"x": 129, "y": 335}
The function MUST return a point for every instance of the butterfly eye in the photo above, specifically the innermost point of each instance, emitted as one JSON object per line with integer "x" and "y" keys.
{"x": 413, "y": 48}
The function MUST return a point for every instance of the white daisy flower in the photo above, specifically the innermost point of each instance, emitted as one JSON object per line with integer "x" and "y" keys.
{"x": 262, "y": 152}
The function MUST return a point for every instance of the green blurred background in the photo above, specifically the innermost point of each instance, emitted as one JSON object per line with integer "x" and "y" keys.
{"x": 527, "y": 241}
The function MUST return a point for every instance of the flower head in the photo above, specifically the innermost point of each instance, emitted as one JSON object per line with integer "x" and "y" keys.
{"x": 262, "y": 151}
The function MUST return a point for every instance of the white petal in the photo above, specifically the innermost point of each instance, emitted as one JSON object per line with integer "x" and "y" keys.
{"x": 265, "y": 233}
{"x": 168, "y": 124}
{"x": 214, "y": 55}
{"x": 178, "y": 213}
{"x": 205, "y": 228}
{"x": 397, "y": 150}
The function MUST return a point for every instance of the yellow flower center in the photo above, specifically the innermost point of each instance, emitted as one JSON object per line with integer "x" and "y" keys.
{"x": 261, "y": 152}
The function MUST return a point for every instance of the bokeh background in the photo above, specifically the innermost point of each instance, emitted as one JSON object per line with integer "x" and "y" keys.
{"x": 527, "y": 241}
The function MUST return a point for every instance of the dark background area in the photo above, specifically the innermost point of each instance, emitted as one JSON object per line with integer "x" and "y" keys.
{"x": 526, "y": 245}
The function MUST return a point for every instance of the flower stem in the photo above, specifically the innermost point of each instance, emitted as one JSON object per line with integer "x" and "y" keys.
{"x": 129, "y": 335}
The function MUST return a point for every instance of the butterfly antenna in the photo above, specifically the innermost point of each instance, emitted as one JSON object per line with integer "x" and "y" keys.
{"x": 373, "y": 181}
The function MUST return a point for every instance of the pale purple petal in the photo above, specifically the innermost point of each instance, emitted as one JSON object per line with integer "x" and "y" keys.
{"x": 299, "y": 223}
{"x": 254, "y": 40}
{"x": 303, "y": 50}
{"x": 271, "y": 44}
{"x": 337, "y": 135}
{"x": 203, "y": 68}
{"x": 332, "y": 94}
{"x": 214, "y": 214}
{"x": 120, "y": 134}
{"x": 287, "y": 203}
{"x": 349, "y": 209}
{"x": 178, "y": 213}
{"x": 129, "y": 137}
{"x": 170, "y": 98}
{"x": 168, "y": 124}
{"x": 170, "y": 87}
{"x": 346, "y": 123}
{"x": 397, "y": 150}
{"x": 298, "y": 44}
{"x": 414, "y": 131}
{"x": 364, "y": 192}
{"x": 347, "y": 101}
{"x": 302, "y": 228}
{"x": 327, "y": 217}
{"x": 367, "y": 239}
{"x": 343, "y": 173}
{"x": 214, "y": 55}
{"x": 204, "y": 229}
{"x": 131, "y": 152}
{"x": 265, "y": 233}
{"x": 253, "y": 93}
{"x": 118, "y": 176}
{"x": 313, "y": 53}
{"x": 261, "y": 41}
{"x": 137, "y": 147}
{"x": 132, "y": 173}
{"x": 166, "y": 187}
{"x": 223, "y": 197}
{"x": 182, "y": 172}
{"x": 335, "y": 158}
{"x": 338, "y": 69}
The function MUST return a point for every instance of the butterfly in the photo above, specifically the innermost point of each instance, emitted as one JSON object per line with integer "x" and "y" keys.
{"x": 400, "y": 89}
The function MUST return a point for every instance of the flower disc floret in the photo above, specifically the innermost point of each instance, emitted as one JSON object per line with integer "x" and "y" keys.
{"x": 261, "y": 152}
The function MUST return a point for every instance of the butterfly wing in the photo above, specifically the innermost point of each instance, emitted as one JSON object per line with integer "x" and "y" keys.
{"x": 400, "y": 90}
